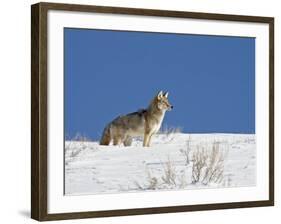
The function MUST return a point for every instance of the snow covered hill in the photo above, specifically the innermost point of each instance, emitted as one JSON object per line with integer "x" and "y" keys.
{"x": 175, "y": 161}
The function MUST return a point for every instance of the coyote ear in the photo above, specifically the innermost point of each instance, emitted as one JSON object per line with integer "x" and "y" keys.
{"x": 160, "y": 95}
{"x": 166, "y": 94}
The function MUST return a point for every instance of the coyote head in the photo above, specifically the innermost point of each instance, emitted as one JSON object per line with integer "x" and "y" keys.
{"x": 161, "y": 101}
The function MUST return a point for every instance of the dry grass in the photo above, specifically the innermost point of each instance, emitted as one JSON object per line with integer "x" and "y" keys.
{"x": 78, "y": 137}
{"x": 153, "y": 182}
{"x": 169, "y": 176}
{"x": 199, "y": 158}
{"x": 186, "y": 152}
{"x": 208, "y": 165}
{"x": 165, "y": 129}
{"x": 168, "y": 180}
{"x": 204, "y": 164}
{"x": 74, "y": 146}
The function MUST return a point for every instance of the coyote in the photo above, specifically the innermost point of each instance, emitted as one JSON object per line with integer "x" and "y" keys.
{"x": 144, "y": 123}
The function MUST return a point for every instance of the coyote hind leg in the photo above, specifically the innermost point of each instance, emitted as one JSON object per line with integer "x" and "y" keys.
{"x": 128, "y": 141}
{"x": 116, "y": 141}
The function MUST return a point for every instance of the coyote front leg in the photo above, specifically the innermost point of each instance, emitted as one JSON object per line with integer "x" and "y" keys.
{"x": 147, "y": 138}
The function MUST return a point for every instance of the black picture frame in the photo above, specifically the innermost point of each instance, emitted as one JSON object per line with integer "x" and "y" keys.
{"x": 39, "y": 105}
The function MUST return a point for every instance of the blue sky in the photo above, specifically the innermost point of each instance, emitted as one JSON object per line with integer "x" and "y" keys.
{"x": 211, "y": 79}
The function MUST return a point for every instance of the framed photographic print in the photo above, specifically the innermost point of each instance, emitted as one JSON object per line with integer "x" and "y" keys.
{"x": 141, "y": 111}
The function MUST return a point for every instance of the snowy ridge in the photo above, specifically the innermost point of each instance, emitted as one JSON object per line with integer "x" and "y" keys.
{"x": 91, "y": 168}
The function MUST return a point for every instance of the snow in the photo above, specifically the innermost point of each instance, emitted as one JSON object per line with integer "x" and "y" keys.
{"x": 94, "y": 169}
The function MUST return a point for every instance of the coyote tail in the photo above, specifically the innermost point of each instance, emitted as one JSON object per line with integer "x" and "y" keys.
{"x": 105, "y": 139}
